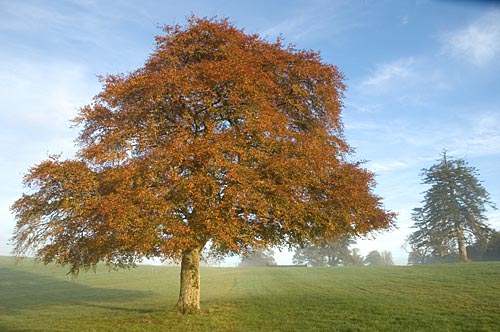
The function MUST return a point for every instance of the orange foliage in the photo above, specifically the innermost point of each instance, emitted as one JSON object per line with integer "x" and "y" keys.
{"x": 221, "y": 137}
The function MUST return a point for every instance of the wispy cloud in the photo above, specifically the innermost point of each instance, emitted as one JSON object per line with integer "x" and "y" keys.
{"x": 386, "y": 166}
{"x": 404, "y": 19}
{"x": 481, "y": 137}
{"x": 38, "y": 101}
{"x": 63, "y": 27}
{"x": 314, "y": 19}
{"x": 39, "y": 97}
{"x": 30, "y": 91}
{"x": 294, "y": 28}
{"x": 411, "y": 81}
{"x": 478, "y": 43}
{"x": 387, "y": 73}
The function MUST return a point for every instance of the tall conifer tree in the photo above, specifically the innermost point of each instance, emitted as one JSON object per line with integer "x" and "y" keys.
{"x": 453, "y": 208}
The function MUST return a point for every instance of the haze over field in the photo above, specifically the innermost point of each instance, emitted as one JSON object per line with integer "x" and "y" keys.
{"x": 422, "y": 76}
{"x": 446, "y": 297}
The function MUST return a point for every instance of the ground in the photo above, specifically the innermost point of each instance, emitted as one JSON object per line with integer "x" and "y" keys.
{"x": 450, "y": 297}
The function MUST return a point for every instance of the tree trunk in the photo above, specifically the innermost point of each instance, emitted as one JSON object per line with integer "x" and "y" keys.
{"x": 189, "y": 296}
{"x": 462, "y": 246}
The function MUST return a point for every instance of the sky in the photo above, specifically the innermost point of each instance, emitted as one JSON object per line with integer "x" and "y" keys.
{"x": 422, "y": 77}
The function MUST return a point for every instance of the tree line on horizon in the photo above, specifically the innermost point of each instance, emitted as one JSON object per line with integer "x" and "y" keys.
{"x": 336, "y": 253}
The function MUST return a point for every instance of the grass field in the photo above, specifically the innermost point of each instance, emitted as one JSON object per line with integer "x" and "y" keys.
{"x": 450, "y": 297}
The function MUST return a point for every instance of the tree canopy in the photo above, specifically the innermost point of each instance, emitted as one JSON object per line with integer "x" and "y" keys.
{"x": 222, "y": 140}
{"x": 453, "y": 212}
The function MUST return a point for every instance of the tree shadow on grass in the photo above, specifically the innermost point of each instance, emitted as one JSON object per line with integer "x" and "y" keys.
{"x": 22, "y": 290}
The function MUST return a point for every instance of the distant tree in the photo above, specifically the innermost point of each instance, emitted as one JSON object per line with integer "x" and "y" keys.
{"x": 475, "y": 252}
{"x": 220, "y": 141}
{"x": 376, "y": 258}
{"x": 489, "y": 251}
{"x": 355, "y": 258}
{"x": 309, "y": 254}
{"x": 417, "y": 257}
{"x": 419, "y": 254}
{"x": 324, "y": 253}
{"x": 257, "y": 257}
{"x": 387, "y": 258}
{"x": 453, "y": 211}
{"x": 492, "y": 252}
{"x": 426, "y": 246}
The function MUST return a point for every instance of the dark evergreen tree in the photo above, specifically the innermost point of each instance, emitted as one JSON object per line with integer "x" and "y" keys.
{"x": 453, "y": 211}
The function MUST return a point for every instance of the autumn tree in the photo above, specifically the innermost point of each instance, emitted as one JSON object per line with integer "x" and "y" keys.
{"x": 453, "y": 210}
{"x": 222, "y": 141}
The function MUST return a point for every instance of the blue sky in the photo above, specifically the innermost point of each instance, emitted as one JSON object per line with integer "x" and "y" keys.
{"x": 422, "y": 76}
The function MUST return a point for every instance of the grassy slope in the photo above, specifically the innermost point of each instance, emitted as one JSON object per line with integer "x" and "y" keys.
{"x": 423, "y": 298}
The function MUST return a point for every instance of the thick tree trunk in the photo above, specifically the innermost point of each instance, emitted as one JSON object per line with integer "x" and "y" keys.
{"x": 462, "y": 246}
{"x": 189, "y": 296}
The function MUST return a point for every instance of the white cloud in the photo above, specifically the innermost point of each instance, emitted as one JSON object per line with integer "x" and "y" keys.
{"x": 38, "y": 100}
{"x": 387, "y": 73}
{"x": 480, "y": 137}
{"x": 294, "y": 28}
{"x": 30, "y": 27}
{"x": 410, "y": 81}
{"x": 307, "y": 22}
{"x": 478, "y": 43}
{"x": 404, "y": 20}
{"x": 45, "y": 95}
{"x": 386, "y": 166}
{"x": 482, "y": 146}
{"x": 313, "y": 19}
{"x": 472, "y": 134}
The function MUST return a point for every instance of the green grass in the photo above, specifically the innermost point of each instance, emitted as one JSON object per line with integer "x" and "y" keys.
{"x": 450, "y": 297}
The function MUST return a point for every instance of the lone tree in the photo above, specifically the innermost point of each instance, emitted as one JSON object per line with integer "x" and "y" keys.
{"x": 220, "y": 141}
{"x": 453, "y": 211}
